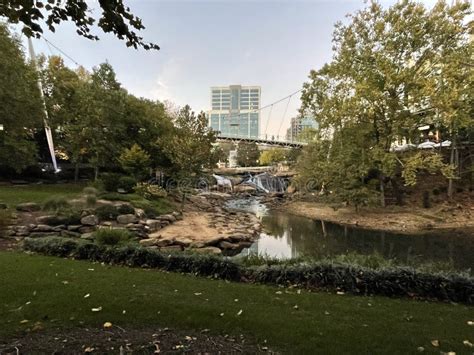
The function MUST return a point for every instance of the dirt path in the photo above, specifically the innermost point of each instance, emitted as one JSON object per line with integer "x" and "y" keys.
{"x": 128, "y": 341}
{"x": 407, "y": 220}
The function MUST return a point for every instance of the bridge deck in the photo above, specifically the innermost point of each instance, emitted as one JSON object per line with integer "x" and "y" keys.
{"x": 262, "y": 141}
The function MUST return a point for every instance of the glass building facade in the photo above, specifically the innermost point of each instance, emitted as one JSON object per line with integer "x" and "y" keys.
{"x": 234, "y": 110}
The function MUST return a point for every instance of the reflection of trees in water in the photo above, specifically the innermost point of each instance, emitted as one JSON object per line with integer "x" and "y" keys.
{"x": 314, "y": 238}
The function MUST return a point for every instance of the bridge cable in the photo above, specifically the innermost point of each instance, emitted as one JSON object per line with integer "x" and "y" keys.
{"x": 284, "y": 115}
{"x": 268, "y": 120}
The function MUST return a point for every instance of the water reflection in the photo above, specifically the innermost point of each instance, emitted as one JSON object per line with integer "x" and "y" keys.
{"x": 288, "y": 236}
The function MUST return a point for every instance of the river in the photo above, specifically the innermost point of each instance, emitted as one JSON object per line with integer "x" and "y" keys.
{"x": 290, "y": 236}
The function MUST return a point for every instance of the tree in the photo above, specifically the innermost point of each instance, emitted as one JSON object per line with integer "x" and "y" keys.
{"x": 115, "y": 18}
{"x": 273, "y": 156}
{"x": 383, "y": 83}
{"x": 20, "y": 105}
{"x": 135, "y": 161}
{"x": 189, "y": 146}
{"x": 247, "y": 154}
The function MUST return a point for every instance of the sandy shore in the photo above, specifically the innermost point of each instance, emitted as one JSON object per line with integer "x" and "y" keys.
{"x": 406, "y": 220}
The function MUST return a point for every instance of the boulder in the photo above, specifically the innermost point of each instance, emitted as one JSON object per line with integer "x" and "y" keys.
{"x": 171, "y": 248}
{"x": 73, "y": 227}
{"x": 87, "y": 229}
{"x": 167, "y": 217}
{"x": 22, "y": 230}
{"x": 67, "y": 233}
{"x": 208, "y": 250}
{"x": 227, "y": 245}
{"x": 43, "y": 228}
{"x": 185, "y": 242}
{"x": 90, "y": 220}
{"x": 156, "y": 242}
{"x": 51, "y": 220}
{"x": 88, "y": 236}
{"x": 28, "y": 207}
{"x": 153, "y": 224}
{"x": 127, "y": 218}
{"x": 214, "y": 241}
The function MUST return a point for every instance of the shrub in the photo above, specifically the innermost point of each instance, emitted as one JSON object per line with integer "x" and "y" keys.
{"x": 89, "y": 190}
{"x": 107, "y": 212}
{"x": 149, "y": 191}
{"x": 108, "y": 236}
{"x": 127, "y": 183}
{"x": 110, "y": 181}
{"x": 387, "y": 281}
{"x": 135, "y": 161}
{"x": 91, "y": 200}
{"x": 5, "y": 220}
{"x": 115, "y": 196}
{"x": 147, "y": 207}
{"x": 126, "y": 209}
{"x": 56, "y": 203}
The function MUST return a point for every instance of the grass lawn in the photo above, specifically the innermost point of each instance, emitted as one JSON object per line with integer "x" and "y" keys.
{"x": 51, "y": 291}
{"x": 13, "y": 195}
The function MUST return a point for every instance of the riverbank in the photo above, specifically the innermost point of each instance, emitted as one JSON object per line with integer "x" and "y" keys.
{"x": 404, "y": 220}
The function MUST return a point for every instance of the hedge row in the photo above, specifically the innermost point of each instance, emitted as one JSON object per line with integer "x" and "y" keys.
{"x": 394, "y": 281}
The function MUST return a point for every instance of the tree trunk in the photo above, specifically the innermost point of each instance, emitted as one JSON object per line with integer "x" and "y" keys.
{"x": 76, "y": 172}
{"x": 450, "y": 182}
{"x": 397, "y": 192}
{"x": 382, "y": 191}
{"x": 96, "y": 172}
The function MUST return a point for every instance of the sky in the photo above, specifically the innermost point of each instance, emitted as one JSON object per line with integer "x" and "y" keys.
{"x": 272, "y": 44}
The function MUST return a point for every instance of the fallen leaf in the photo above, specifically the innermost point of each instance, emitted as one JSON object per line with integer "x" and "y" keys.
{"x": 295, "y": 306}
{"x": 107, "y": 325}
{"x": 236, "y": 300}
{"x": 435, "y": 343}
{"x": 470, "y": 322}
{"x": 197, "y": 293}
{"x": 87, "y": 296}
{"x": 24, "y": 321}
{"x": 89, "y": 349}
{"x": 468, "y": 343}
{"x": 98, "y": 309}
{"x": 124, "y": 311}
{"x": 222, "y": 314}
{"x": 420, "y": 349}
{"x": 339, "y": 293}
{"x": 90, "y": 269}
{"x": 239, "y": 312}
{"x": 278, "y": 292}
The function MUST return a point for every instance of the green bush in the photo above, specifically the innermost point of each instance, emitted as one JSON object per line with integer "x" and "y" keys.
{"x": 115, "y": 196}
{"x": 127, "y": 183}
{"x": 387, "y": 281}
{"x": 91, "y": 200}
{"x": 89, "y": 190}
{"x": 126, "y": 209}
{"x": 149, "y": 191}
{"x": 5, "y": 220}
{"x": 147, "y": 207}
{"x": 108, "y": 236}
{"x": 110, "y": 181}
{"x": 56, "y": 203}
{"x": 107, "y": 212}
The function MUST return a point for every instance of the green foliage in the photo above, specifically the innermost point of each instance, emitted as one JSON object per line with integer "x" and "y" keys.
{"x": 20, "y": 104}
{"x": 127, "y": 183}
{"x": 393, "y": 70}
{"x": 107, "y": 212}
{"x": 89, "y": 190}
{"x": 387, "y": 281}
{"x": 135, "y": 161}
{"x": 273, "y": 156}
{"x": 126, "y": 209}
{"x": 247, "y": 154}
{"x": 153, "y": 208}
{"x": 91, "y": 200}
{"x": 110, "y": 181}
{"x": 5, "y": 220}
{"x": 149, "y": 191}
{"x": 108, "y": 236}
{"x": 115, "y": 18}
{"x": 56, "y": 203}
{"x": 425, "y": 161}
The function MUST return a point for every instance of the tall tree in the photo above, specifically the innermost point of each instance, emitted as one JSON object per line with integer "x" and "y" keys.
{"x": 20, "y": 105}
{"x": 247, "y": 154}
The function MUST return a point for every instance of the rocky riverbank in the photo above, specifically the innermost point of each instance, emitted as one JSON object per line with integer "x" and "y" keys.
{"x": 405, "y": 220}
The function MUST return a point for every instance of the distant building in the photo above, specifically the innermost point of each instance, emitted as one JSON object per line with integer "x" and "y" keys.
{"x": 299, "y": 124}
{"x": 233, "y": 110}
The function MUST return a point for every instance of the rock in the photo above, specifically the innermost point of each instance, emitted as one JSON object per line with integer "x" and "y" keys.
{"x": 208, "y": 250}
{"x": 228, "y": 246}
{"x": 127, "y": 218}
{"x": 197, "y": 245}
{"x": 28, "y": 207}
{"x": 167, "y": 217}
{"x": 22, "y": 230}
{"x": 88, "y": 236}
{"x": 90, "y": 220}
{"x": 244, "y": 189}
{"x": 3, "y": 206}
{"x": 140, "y": 213}
{"x": 199, "y": 201}
{"x": 150, "y": 242}
{"x": 153, "y": 224}
{"x": 67, "y": 233}
{"x": 171, "y": 248}
{"x": 245, "y": 244}
{"x": 106, "y": 224}
{"x": 42, "y": 234}
{"x": 87, "y": 229}
{"x": 185, "y": 242}
{"x": 73, "y": 227}
{"x": 43, "y": 228}
{"x": 214, "y": 241}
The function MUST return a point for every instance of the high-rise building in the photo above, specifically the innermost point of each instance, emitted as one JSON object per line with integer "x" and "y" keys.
{"x": 234, "y": 110}
{"x": 299, "y": 124}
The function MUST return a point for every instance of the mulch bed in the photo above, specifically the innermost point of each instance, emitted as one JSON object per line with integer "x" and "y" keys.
{"x": 117, "y": 340}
